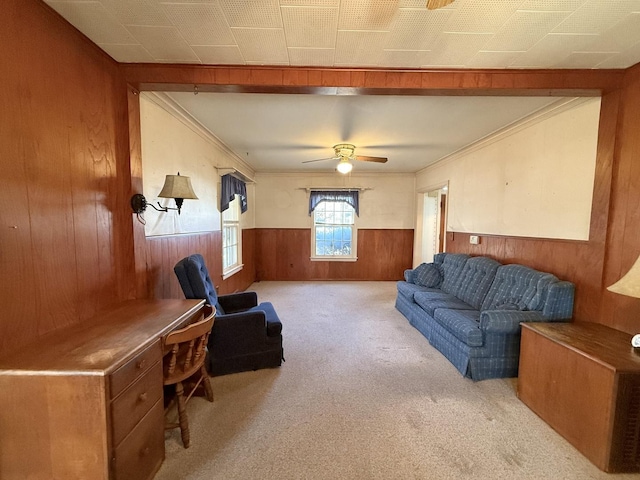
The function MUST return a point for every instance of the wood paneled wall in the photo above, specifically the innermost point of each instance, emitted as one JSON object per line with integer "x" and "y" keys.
{"x": 623, "y": 232}
{"x": 284, "y": 254}
{"x": 65, "y": 232}
{"x": 164, "y": 252}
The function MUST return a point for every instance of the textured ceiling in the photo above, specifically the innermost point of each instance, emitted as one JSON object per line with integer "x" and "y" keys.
{"x": 364, "y": 33}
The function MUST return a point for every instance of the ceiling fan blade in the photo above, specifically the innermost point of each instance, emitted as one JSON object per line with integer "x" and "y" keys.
{"x": 364, "y": 158}
{"x": 321, "y": 160}
{"x": 434, "y": 4}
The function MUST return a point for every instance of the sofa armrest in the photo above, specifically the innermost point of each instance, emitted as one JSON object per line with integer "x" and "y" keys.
{"x": 408, "y": 275}
{"x": 506, "y": 322}
{"x": 238, "y": 302}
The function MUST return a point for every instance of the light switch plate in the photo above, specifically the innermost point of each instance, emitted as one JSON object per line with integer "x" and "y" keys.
{"x": 474, "y": 239}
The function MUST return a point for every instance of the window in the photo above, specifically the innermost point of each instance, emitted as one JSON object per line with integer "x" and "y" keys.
{"x": 334, "y": 232}
{"x": 231, "y": 239}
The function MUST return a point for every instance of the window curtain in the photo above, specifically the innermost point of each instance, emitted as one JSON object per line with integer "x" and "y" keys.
{"x": 232, "y": 186}
{"x": 349, "y": 196}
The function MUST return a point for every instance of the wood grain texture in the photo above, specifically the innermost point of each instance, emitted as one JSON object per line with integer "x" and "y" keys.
{"x": 623, "y": 233}
{"x": 284, "y": 254}
{"x": 332, "y": 80}
{"x": 575, "y": 377}
{"x": 164, "y": 252}
{"x": 60, "y": 152}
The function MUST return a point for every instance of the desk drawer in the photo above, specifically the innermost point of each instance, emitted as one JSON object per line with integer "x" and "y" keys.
{"x": 133, "y": 404}
{"x": 126, "y": 374}
{"x": 141, "y": 453}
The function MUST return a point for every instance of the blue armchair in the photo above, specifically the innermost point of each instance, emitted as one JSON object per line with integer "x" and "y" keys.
{"x": 245, "y": 335}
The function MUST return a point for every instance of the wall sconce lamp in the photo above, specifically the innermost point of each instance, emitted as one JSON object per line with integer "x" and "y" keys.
{"x": 175, "y": 186}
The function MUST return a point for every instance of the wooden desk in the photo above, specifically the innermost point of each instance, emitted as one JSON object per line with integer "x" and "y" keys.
{"x": 583, "y": 379}
{"x": 85, "y": 402}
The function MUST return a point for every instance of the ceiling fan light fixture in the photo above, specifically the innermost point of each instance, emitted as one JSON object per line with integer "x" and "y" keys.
{"x": 344, "y": 166}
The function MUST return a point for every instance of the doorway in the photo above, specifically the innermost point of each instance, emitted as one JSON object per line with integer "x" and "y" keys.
{"x": 433, "y": 224}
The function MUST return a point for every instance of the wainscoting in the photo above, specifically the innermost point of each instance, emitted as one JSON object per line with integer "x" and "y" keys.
{"x": 164, "y": 252}
{"x": 284, "y": 254}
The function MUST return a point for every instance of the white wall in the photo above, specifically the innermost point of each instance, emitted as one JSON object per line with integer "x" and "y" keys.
{"x": 171, "y": 143}
{"x": 535, "y": 180}
{"x": 283, "y": 202}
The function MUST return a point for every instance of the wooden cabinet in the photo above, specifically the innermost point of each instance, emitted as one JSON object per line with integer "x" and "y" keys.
{"x": 86, "y": 402}
{"x": 583, "y": 379}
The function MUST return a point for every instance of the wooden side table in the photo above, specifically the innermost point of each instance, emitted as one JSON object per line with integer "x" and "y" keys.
{"x": 583, "y": 379}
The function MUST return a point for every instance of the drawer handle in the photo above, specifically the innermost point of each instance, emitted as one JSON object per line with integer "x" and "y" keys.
{"x": 143, "y": 397}
{"x": 140, "y": 364}
{"x": 145, "y": 451}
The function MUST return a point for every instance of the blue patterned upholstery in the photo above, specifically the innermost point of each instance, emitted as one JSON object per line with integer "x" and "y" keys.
{"x": 430, "y": 301}
{"x": 475, "y": 280}
{"x": 461, "y": 323}
{"x": 427, "y": 275}
{"x": 452, "y": 267}
{"x": 474, "y": 318}
{"x": 517, "y": 285}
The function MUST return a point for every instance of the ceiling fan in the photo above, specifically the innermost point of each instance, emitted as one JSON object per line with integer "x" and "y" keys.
{"x": 434, "y": 4}
{"x": 346, "y": 152}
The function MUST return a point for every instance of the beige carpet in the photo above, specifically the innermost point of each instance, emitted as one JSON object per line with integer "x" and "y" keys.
{"x": 363, "y": 395}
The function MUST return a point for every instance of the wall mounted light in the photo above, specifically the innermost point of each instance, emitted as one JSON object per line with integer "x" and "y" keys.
{"x": 175, "y": 186}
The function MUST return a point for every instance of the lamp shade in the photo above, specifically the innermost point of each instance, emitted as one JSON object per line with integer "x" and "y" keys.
{"x": 177, "y": 186}
{"x": 629, "y": 284}
{"x": 344, "y": 166}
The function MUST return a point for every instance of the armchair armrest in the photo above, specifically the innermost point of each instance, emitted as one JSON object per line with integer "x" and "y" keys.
{"x": 238, "y": 333}
{"x": 238, "y": 302}
{"x": 504, "y": 322}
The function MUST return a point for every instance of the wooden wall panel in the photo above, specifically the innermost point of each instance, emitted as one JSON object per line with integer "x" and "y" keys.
{"x": 164, "y": 252}
{"x": 284, "y": 254}
{"x": 64, "y": 168}
{"x": 330, "y": 80}
{"x": 623, "y": 233}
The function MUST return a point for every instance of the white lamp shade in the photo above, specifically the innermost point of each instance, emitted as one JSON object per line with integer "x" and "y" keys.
{"x": 344, "y": 166}
{"x": 177, "y": 186}
{"x": 630, "y": 283}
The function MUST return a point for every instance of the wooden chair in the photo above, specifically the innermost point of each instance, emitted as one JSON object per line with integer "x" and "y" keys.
{"x": 185, "y": 352}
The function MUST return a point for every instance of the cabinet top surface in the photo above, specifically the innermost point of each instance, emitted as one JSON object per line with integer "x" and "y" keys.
{"x": 102, "y": 343}
{"x": 609, "y": 347}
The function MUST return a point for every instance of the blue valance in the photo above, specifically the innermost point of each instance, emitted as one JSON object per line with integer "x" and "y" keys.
{"x": 232, "y": 186}
{"x": 349, "y": 196}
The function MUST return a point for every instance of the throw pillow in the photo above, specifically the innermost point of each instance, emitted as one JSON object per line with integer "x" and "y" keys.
{"x": 427, "y": 275}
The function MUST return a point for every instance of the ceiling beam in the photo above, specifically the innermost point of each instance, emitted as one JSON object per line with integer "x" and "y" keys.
{"x": 199, "y": 78}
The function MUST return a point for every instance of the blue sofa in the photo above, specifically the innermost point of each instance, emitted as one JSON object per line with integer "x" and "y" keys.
{"x": 470, "y": 309}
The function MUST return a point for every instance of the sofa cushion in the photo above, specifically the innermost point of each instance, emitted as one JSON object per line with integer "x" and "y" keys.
{"x": 464, "y": 324}
{"x": 427, "y": 275}
{"x": 430, "y": 301}
{"x": 474, "y": 281}
{"x": 517, "y": 285}
{"x": 452, "y": 267}
{"x": 407, "y": 289}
